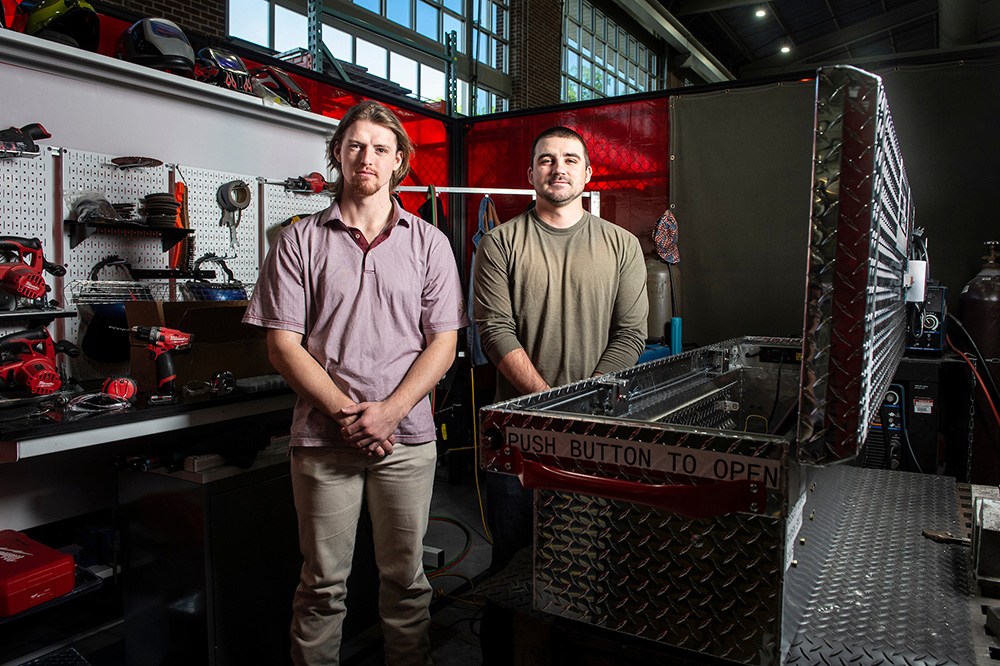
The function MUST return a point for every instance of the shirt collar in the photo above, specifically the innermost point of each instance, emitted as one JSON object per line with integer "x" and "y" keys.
{"x": 332, "y": 215}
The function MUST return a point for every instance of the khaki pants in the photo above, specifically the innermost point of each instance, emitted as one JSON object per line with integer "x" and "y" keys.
{"x": 328, "y": 484}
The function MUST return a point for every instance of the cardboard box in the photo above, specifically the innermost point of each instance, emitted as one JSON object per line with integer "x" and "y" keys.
{"x": 31, "y": 573}
{"x": 221, "y": 341}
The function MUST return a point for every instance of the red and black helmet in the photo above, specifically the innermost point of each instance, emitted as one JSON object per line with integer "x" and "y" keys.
{"x": 278, "y": 82}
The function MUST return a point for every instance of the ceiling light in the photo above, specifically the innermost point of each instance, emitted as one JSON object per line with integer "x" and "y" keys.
{"x": 786, "y": 49}
{"x": 761, "y": 12}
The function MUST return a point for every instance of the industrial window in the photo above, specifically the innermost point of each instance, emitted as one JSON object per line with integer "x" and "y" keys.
{"x": 600, "y": 59}
{"x": 273, "y": 24}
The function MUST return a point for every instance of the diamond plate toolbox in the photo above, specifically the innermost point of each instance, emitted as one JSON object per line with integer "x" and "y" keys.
{"x": 674, "y": 500}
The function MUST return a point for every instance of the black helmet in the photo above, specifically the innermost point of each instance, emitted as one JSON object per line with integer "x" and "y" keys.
{"x": 224, "y": 69}
{"x": 72, "y": 22}
{"x": 280, "y": 84}
{"x": 156, "y": 43}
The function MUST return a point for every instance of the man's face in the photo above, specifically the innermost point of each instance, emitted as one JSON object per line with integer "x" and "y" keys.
{"x": 558, "y": 172}
{"x": 368, "y": 157}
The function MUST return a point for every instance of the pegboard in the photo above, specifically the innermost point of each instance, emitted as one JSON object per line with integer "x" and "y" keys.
{"x": 93, "y": 172}
{"x": 279, "y": 205}
{"x": 26, "y": 209}
{"x": 204, "y": 215}
{"x": 25, "y": 198}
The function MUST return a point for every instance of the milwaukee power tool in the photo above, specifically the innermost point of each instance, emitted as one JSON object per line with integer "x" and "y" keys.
{"x": 22, "y": 140}
{"x": 313, "y": 183}
{"x": 28, "y": 359}
{"x": 162, "y": 343}
{"x": 21, "y": 272}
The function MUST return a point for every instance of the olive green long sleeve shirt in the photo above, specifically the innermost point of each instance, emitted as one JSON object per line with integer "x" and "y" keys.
{"x": 574, "y": 299}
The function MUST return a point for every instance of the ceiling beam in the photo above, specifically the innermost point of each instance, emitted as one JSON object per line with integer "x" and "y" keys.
{"x": 689, "y": 7}
{"x": 842, "y": 38}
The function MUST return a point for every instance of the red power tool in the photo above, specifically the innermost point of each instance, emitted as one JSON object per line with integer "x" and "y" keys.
{"x": 313, "y": 183}
{"x": 22, "y": 140}
{"x": 162, "y": 343}
{"x": 23, "y": 277}
{"x": 28, "y": 358}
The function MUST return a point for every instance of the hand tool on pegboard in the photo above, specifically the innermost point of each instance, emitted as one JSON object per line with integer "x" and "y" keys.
{"x": 21, "y": 140}
{"x": 313, "y": 183}
{"x": 180, "y": 254}
{"x": 233, "y": 197}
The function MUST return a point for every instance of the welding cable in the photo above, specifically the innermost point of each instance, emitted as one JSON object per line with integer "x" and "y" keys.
{"x": 475, "y": 465}
{"x": 976, "y": 372}
{"x": 458, "y": 558}
{"x": 979, "y": 355}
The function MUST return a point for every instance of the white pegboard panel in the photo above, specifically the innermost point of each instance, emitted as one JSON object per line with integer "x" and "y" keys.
{"x": 26, "y": 198}
{"x": 93, "y": 172}
{"x": 204, "y": 215}
{"x": 279, "y": 205}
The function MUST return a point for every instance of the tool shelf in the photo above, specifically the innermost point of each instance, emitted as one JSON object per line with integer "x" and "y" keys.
{"x": 81, "y": 231}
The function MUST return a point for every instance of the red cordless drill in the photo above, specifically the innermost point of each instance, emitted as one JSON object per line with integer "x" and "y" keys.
{"x": 28, "y": 358}
{"x": 163, "y": 342}
{"x": 23, "y": 277}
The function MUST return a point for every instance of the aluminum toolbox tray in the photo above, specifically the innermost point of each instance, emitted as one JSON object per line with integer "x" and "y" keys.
{"x": 673, "y": 497}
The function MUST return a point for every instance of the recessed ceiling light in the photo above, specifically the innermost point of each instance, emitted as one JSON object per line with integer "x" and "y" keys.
{"x": 761, "y": 13}
{"x": 786, "y": 49}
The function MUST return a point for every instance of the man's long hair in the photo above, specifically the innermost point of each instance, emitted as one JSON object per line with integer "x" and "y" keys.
{"x": 380, "y": 115}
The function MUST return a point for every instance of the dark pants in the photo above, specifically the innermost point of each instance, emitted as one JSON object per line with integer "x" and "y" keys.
{"x": 509, "y": 517}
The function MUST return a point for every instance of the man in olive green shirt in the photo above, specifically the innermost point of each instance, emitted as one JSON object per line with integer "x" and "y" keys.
{"x": 559, "y": 296}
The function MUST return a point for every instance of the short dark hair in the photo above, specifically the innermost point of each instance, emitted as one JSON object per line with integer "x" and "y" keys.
{"x": 380, "y": 115}
{"x": 562, "y": 133}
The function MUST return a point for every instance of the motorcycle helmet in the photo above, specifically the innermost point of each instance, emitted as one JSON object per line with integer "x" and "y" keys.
{"x": 71, "y": 22}
{"x": 277, "y": 82}
{"x": 223, "y": 69}
{"x": 156, "y": 43}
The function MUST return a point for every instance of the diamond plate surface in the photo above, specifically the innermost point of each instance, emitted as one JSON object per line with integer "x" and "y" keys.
{"x": 885, "y": 594}
{"x": 861, "y": 222}
{"x": 713, "y": 586}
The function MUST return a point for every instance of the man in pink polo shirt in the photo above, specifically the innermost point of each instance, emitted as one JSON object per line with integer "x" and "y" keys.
{"x": 362, "y": 303}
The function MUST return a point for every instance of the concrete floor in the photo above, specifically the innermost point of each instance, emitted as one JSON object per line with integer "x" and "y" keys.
{"x": 455, "y": 613}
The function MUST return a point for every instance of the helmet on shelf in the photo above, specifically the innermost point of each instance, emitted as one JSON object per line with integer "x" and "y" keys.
{"x": 156, "y": 43}
{"x": 224, "y": 69}
{"x": 72, "y": 22}
{"x": 279, "y": 84}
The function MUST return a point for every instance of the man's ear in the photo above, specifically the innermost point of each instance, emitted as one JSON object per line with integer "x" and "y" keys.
{"x": 590, "y": 172}
{"x": 529, "y": 177}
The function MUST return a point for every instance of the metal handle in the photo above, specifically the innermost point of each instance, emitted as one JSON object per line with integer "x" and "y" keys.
{"x": 700, "y": 501}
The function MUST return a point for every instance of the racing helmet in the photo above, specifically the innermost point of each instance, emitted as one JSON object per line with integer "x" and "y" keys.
{"x": 156, "y": 43}
{"x": 224, "y": 69}
{"x": 72, "y": 22}
{"x": 280, "y": 84}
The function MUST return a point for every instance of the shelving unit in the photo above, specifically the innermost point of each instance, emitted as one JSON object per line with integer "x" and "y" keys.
{"x": 81, "y": 231}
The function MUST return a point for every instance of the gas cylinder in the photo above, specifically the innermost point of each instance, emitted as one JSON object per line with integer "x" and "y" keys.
{"x": 663, "y": 290}
{"x": 979, "y": 305}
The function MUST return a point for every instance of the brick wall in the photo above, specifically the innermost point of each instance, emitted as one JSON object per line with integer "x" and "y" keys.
{"x": 535, "y": 52}
{"x": 206, "y": 17}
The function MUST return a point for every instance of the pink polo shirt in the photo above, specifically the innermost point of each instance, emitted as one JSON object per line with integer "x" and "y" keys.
{"x": 363, "y": 314}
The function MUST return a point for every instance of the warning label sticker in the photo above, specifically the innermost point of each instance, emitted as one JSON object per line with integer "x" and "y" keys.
{"x": 660, "y": 457}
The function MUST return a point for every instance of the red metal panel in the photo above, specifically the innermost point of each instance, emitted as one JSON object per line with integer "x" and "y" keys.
{"x": 629, "y": 151}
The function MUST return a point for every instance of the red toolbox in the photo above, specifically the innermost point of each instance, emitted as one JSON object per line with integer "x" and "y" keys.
{"x": 31, "y": 573}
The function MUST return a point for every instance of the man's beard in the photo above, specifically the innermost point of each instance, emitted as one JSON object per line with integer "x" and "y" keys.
{"x": 365, "y": 186}
{"x": 562, "y": 197}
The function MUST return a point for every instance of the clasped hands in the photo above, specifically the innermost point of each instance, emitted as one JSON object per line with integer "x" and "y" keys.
{"x": 369, "y": 426}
